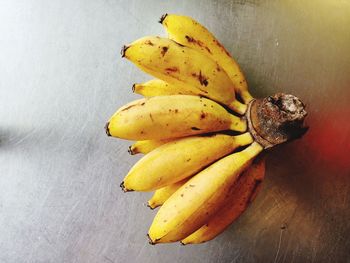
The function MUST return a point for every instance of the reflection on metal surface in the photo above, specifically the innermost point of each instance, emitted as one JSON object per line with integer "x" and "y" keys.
{"x": 328, "y": 142}
{"x": 61, "y": 78}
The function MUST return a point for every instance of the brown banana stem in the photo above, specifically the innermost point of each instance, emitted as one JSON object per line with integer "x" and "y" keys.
{"x": 276, "y": 119}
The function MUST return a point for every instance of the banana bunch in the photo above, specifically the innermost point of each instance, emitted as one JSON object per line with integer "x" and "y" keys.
{"x": 194, "y": 127}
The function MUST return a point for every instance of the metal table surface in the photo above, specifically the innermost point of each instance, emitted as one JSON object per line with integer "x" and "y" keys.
{"x": 61, "y": 79}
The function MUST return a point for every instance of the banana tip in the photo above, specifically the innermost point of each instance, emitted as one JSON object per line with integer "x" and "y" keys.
{"x": 151, "y": 207}
{"x": 107, "y": 129}
{"x": 122, "y": 186}
{"x": 130, "y": 150}
{"x": 123, "y": 50}
{"x": 162, "y": 18}
{"x": 182, "y": 243}
{"x": 150, "y": 241}
{"x": 133, "y": 87}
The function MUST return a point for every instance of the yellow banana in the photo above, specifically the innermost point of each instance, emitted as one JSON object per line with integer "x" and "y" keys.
{"x": 184, "y": 124}
{"x": 191, "y": 70}
{"x": 202, "y": 196}
{"x": 180, "y": 159}
{"x": 189, "y": 32}
{"x": 162, "y": 194}
{"x": 242, "y": 194}
{"x": 164, "y": 117}
{"x": 146, "y": 146}
{"x": 157, "y": 87}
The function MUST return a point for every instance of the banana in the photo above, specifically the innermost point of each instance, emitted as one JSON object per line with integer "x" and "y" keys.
{"x": 146, "y": 146}
{"x": 202, "y": 196}
{"x": 204, "y": 177}
{"x": 162, "y": 194}
{"x": 242, "y": 194}
{"x": 189, "y": 32}
{"x": 165, "y": 117}
{"x": 157, "y": 87}
{"x": 179, "y": 159}
{"x": 191, "y": 70}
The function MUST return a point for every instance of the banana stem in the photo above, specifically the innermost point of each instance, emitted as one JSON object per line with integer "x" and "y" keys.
{"x": 276, "y": 119}
{"x": 238, "y": 124}
{"x": 243, "y": 139}
{"x": 245, "y": 95}
{"x": 238, "y": 107}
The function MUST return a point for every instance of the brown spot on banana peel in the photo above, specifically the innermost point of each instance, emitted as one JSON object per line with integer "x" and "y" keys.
{"x": 180, "y": 45}
{"x": 190, "y": 39}
{"x": 149, "y": 42}
{"x": 129, "y": 107}
{"x": 221, "y": 47}
{"x": 205, "y": 92}
{"x": 172, "y": 69}
{"x": 276, "y": 119}
{"x": 202, "y": 79}
{"x": 209, "y": 51}
{"x": 133, "y": 105}
{"x": 164, "y": 50}
{"x": 197, "y": 42}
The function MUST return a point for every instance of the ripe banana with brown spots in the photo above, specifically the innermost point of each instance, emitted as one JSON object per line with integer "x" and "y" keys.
{"x": 201, "y": 197}
{"x": 165, "y": 117}
{"x": 179, "y": 159}
{"x": 241, "y": 195}
{"x": 189, "y": 69}
{"x": 197, "y": 148}
{"x": 190, "y": 33}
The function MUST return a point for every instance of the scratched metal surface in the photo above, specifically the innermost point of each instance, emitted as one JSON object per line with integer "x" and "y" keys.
{"x": 61, "y": 79}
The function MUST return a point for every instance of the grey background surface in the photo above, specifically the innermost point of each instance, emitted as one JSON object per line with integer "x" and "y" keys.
{"x": 61, "y": 78}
